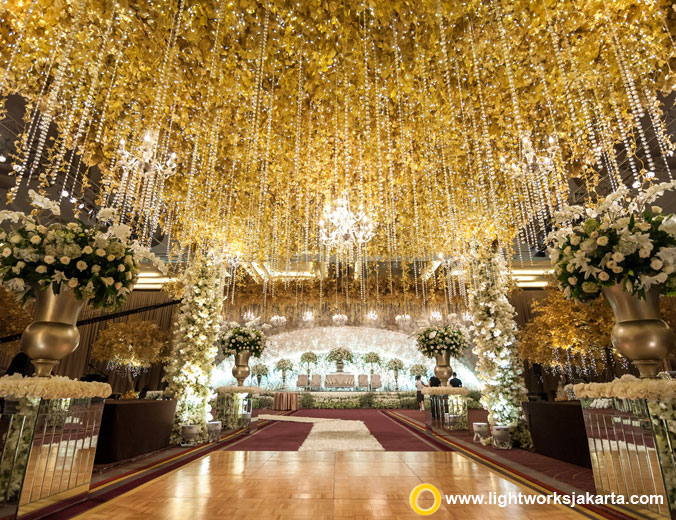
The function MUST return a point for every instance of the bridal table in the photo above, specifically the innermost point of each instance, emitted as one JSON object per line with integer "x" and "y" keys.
{"x": 131, "y": 427}
{"x": 339, "y": 381}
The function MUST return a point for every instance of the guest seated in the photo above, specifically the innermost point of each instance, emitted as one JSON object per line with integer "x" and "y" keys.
{"x": 454, "y": 381}
{"x": 21, "y": 364}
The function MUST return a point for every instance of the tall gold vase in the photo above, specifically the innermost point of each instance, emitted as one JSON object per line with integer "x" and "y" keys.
{"x": 241, "y": 369}
{"x": 443, "y": 369}
{"x": 53, "y": 335}
{"x": 639, "y": 332}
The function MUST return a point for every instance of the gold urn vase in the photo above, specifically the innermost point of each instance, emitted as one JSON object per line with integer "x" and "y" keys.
{"x": 339, "y": 366}
{"x": 443, "y": 369}
{"x": 53, "y": 335}
{"x": 241, "y": 369}
{"x": 639, "y": 332}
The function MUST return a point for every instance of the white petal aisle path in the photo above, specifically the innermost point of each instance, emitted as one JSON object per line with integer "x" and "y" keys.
{"x": 333, "y": 434}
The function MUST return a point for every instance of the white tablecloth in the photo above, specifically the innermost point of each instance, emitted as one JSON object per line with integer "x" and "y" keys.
{"x": 339, "y": 380}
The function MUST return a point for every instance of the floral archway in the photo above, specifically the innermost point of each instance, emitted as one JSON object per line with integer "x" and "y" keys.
{"x": 388, "y": 344}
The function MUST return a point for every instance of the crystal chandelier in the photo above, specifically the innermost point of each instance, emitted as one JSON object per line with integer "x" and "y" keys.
{"x": 372, "y": 316}
{"x": 435, "y": 316}
{"x": 250, "y": 316}
{"x": 341, "y": 227}
{"x": 144, "y": 174}
{"x": 308, "y": 316}
{"x": 278, "y": 321}
{"x": 339, "y": 319}
{"x": 402, "y": 319}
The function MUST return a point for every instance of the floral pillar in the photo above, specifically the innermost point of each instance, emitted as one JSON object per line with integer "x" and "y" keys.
{"x": 194, "y": 345}
{"x": 498, "y": 365}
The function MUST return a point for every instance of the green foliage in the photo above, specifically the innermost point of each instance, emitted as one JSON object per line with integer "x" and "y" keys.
{"x": 306, "y": 400}
{"x": 366, "y": 400}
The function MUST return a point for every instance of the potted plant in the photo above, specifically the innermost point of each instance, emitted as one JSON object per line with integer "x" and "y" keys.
{"x": 442, "y": 343}
{"x": 624, "y": 248}
{"x": 284, "y": 365}
{"x": 340, "y": 355}
{"x": 395, "y": 365}
{"x": 242, "y": 342}
{"x": 259, "y": 370}
{"x": 63, "y": 266}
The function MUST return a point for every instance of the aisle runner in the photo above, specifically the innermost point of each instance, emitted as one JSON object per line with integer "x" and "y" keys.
{"x": 333, "y": 434}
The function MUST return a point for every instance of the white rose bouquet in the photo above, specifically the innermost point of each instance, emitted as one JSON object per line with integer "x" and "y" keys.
{"x": 436, "y": 340}
{"x": 418, "y": 370}
{"x": 340, "y": 354}
{"x": 98, "y": 264}
{"x": 372, "y": 358}
{"x": 242, "y": 339}
{"x": 622, "y": 241}
{"x": 259, "y": 369}
{"x": 395, "y": 364}
{"x": 284, "y": 365}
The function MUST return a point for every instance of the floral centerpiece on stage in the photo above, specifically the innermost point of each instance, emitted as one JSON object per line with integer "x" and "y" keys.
{"x": 238, "y": 339}
{"x": 418, "y": 370}
{"x": 622, "y": 241}
{"x": 437, "y": 340}
{"x": 259, "y": 370}
{"x": 395, "y": 364}
{"x": 340, "y": 354}
{"x": 98, "y": 263}
{"x": 283, "y": 365}
{"x": 309, "y": 358}
{"x": 371, "y": 358}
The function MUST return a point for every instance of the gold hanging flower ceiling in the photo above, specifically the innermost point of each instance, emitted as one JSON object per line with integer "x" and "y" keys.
{"x": 448, "y": 122}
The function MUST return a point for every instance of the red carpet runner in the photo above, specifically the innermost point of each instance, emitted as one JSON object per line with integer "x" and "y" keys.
{"x": 288, "y": 436}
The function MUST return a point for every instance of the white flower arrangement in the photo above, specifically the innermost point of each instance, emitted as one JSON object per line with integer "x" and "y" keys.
{"x": 99, "y": 265}
{"x": 437, "y": 340}
{"x": 284, "y": 365}
{"x": 55, "y": 387}
{"x": 340, "y": 354}
{"x": 372, "y": 358}
{"x": 418, "y": 370}
{"x": 628, "y": 387}
{"x": 623, "y": 241}
{"x": 498, "y": 365}
{"x": 238, "y": 390}
{"x": 259, "y": 369}
{"x": 395, "y": 364}
{"x": 194, "y": 345}
{"x": 445, "y": 390}
{"x": 309, "y": 358}
{"x": 233, "y": 340}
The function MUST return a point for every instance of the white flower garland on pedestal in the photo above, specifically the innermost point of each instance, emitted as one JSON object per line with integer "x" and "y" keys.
{"x": 194, "y": 346}
{"x": 498, "y": 366}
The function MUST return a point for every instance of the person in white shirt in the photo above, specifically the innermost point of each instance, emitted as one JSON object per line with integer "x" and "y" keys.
{"x": 419, "y": 385}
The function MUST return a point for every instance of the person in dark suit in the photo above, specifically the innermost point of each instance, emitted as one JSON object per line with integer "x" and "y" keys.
{"x": 434, "y": 399}
{"x": 454, "y": 381}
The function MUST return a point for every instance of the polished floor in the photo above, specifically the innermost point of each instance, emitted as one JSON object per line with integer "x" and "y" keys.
{"x": 314, "y": 485}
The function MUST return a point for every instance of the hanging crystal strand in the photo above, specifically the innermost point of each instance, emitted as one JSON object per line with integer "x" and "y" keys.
{"x": 59, "y": 76}
{"x": 16, "y": 46}
{"x": 666, "y": 148}
{"x": 634, "y": 101}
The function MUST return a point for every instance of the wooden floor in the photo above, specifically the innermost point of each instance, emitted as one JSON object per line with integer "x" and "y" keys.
{"x": 312, "y": 485}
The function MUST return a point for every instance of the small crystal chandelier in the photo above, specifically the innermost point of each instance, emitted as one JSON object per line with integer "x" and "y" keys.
{"x": 250, "y": 316}
{"x": 278, "y": 321}
{"x": 308, "y": 316}
{"x": 371, "y": 316}
{"x": 341, "y": 227}
{"x": 339, "y": 319}
{"x": 435, "y": 316}
{"x": 402, "y": 319}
